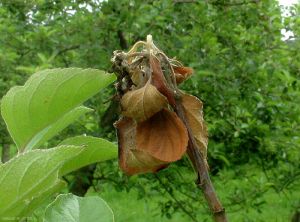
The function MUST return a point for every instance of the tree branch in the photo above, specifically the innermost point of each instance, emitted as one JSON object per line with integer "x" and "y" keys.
{"x": 67, "y": 49}
{"x": 5, "y": 153}
{"x": 198, "y": 161}
{"x": 184, "y": 1}
{"x": 122, "y": 39}
{"x": 234, "y": 3}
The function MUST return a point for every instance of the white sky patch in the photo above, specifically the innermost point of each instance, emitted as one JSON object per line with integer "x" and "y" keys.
{"x": 285, "y": 13}
{"x": 87, "y": 6}
{"x": 288, "y": 2}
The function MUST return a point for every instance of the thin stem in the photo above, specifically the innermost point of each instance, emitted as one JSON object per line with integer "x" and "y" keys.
{"x": 135, "y": 54}
{"x": 198, "y": 161}
{"x": 135, "y": 46}
{"x": 149, "y": 43}
{"x": 175, "y": 199}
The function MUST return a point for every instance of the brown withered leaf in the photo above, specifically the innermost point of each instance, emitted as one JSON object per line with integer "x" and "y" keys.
{"x": 135, "y": 76}
{"x": 182, "y": 73}
{"x": 131, "y": 160}
{"x": 138, "y": 77}
{"x": 147, "y": 163}
{"x": 163, "y": 136}
{"x": 158, "y": 80}
{"x": 143, "y": 103}
{"x": 194, "y": 114}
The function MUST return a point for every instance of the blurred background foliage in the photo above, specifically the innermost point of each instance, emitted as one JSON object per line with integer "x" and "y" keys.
{"x": 246, "y": 74}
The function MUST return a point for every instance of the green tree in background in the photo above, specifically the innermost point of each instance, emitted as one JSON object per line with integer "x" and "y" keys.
{"x": 245, "y": 74}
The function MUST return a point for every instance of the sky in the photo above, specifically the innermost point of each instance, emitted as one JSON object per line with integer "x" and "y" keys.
{"x": 287, "y": 2}
{"x": 287, "y": 34}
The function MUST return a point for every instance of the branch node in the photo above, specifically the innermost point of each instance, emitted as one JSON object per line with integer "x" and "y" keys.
{"x": 219, "y": 211}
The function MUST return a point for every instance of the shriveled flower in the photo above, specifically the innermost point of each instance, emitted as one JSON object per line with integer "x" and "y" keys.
{"x": 150, "y": 134}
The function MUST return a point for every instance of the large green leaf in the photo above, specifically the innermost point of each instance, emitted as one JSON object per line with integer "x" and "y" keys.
{"x": 31, "y": 177}
{"x": 46, "y": 99}
{"x": 28, "y": 176}
{"x": 50, "y": 131}
{"x": 42, "y": 199}
{"x": 97, "y": 150}
{"x": 70, "y": 208}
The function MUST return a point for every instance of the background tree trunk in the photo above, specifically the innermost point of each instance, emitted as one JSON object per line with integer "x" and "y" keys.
{"x": 5, "y": 153}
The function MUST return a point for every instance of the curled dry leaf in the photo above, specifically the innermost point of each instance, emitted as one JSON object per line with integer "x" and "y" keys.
{"x": 163, "y": 136}
{"x": 182, "y": 73}
{"x": 140, "y": 77}
{"x": 131, "y": 159}
{"x": 194, "y": 114}
{"x": 143, "y": 103}
{"x": 136, "y": 77}
{"x": 158, "y": 80}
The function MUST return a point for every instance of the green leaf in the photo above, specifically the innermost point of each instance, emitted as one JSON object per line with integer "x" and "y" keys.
{"x": 29, "y": 176}
{"x": 97, "y": 150}
{"x": 70, "y": 208}
{"x": 30, "y": 111}
{"x": 56, "y": 127}
{"x": 42, "y": 198}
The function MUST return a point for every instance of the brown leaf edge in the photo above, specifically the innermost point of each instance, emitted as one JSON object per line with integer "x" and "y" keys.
{"x": 182, "y": 73}
{"x": 193, "y": 108}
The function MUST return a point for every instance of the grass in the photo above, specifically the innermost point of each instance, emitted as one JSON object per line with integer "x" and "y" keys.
{"x": 246, "y": 194}
{"x": 127, "y": 207}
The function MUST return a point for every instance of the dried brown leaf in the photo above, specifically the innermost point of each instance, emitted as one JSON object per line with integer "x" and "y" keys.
{"x": 158, "y": 80}
{"x": 194, "y": 114}
{"x": 135, "y": 76}
{"x": 163, "y": 136}
{"x": 138, "y": 77}
{"x": 143, "y": 103}
{"x": 131, "y": 160}
{"x": 182, "y": 73}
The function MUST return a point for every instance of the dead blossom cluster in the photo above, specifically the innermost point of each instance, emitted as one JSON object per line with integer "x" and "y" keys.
{"x": 150, "y": 134}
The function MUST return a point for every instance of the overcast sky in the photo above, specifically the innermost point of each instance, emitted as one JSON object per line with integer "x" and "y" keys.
{"x": 287, "y": 2}
{"x": 287, "y": 34}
